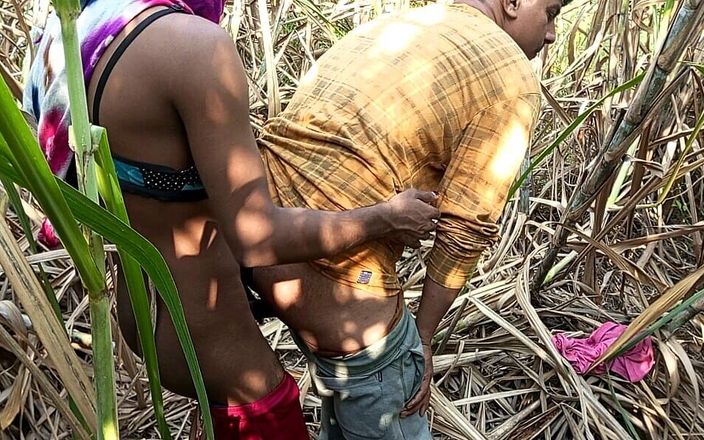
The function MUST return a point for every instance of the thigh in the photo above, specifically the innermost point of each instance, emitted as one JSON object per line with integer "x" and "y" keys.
{"x": 369, "y": 407}
{"x": 329, "y": 428}
{"x": 403, "y": 378}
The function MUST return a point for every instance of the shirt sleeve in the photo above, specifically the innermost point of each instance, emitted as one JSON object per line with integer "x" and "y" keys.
{"x": 475, "y": 186}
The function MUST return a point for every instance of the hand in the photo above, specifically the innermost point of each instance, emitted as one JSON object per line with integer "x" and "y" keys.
{"x": 412, "y": 216}
{"x": 421, "y": 401}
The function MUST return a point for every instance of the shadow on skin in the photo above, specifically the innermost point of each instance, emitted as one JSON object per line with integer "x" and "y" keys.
{"x": 329, "y": 317}
{"x": 237, "y": 364}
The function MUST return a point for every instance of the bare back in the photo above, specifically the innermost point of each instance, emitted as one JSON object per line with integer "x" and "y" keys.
{"x": 144, "y": 126}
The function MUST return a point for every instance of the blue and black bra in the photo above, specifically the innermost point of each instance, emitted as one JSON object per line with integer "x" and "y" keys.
{"x": 145, "y": 179}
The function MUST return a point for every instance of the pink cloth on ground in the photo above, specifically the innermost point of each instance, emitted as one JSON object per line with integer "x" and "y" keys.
{"x": 632, "y": 365}
{"x": 47, "y": 235}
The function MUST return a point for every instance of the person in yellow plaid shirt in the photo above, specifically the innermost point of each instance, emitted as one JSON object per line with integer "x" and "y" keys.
{"x": 439, "y": 98}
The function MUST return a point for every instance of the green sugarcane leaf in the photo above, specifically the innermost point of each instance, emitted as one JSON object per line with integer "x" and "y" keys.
{"x": 138, "y": 247}
{"x": 24, "y": 153}
{"x": 625, "y": 416}
{"x": 25, "y": 159}
{"x": 99, "y": 299}
{"x": 27, "y": 167}
{"x": 670, "y": 316}
{"x": 16, "y": 203}
{"x": 109, "y": 189}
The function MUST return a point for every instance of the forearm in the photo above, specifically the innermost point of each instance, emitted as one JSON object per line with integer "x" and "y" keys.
{"x": 434, "y": 303}
{"x": 264, "y": 234}
{"x": 308, "y": 234}
{"x": 290, "y": 235}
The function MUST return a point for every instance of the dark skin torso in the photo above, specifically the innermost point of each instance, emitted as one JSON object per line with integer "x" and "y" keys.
{"x": 331, "y": 317}
{"x": 179, "y": 96}
{"x": 144, "y": 127}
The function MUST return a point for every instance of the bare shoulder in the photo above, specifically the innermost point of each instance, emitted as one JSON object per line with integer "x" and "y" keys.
{"x": 184, "y": 49}
{"x": 193, "y": 35}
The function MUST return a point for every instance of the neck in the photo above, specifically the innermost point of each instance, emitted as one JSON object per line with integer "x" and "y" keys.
{"x": 486, "y": 7}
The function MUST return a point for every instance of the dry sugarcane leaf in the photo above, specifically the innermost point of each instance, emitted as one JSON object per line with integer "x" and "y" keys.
{"x": 595, "y": 414}
{"x": 15, "y": 401}
{"x": 11, "y": 315}
{"x": 270, "y": 327}
{"x": 304, "y": 384}
{"x": 691, "y": 374}
{"x": 531, "y": 428}
{"x": 443, "y": 362}
{"x": 38, "y": 376}
{"x": 272, "y": 82}
{"x": 631, "y": 269}
{"x": 567, "y": 411}
{"x": 506, "y": 428}
{"x": 673, "y": 371}
{"x": 522, "y": 296}
{"x": 489, "y": 313}
{"x": 26, "y": 286}
{"x": 493, "y": 396}
{"x": 508, "y": 239}
{"x": 657, "y": 408}
{"x": 654, "y": 312}
{"x": 623, "y": 245}
{"x": 444, "y": 408}
{"x": 14, "y": 86}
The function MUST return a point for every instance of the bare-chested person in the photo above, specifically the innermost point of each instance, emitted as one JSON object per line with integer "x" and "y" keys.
{"x": 168, "y": 84}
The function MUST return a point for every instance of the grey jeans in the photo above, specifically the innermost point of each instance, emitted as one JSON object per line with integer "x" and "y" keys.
{"x": 363, "y": 393}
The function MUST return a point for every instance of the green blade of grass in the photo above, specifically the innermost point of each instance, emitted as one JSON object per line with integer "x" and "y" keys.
{"x": 109, "y": 189}
{"x": 119, "y": 233}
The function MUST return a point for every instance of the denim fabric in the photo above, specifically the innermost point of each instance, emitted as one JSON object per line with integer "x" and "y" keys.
{"x": 363, "y": 393}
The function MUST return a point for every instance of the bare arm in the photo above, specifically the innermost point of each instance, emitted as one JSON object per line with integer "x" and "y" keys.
{"x": 209, "y": 91}
{"x": 436, "y": 301}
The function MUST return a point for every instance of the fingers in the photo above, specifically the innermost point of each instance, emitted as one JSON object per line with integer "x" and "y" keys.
{"x": 433, "y": 212}
{"x": 426, "y": 196}
{"x": 413, "y": 240}
{"x": 426, "y": 405}
{"x": 429, "y": 198}
{"x": 417, "y": 403}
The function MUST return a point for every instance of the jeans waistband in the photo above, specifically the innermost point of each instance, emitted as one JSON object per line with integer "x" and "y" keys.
{"x": 372, "y": 358}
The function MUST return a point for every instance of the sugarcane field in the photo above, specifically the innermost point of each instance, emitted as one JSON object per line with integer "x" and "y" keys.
{"x": 352, "y": 219}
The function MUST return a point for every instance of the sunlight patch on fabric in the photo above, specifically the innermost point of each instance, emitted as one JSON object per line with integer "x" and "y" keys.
{"x": 395, "y": 38}
{"x": 510, "y": 151}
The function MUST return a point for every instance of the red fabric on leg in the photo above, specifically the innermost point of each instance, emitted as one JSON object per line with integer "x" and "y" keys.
{"x": 276, "y": 416}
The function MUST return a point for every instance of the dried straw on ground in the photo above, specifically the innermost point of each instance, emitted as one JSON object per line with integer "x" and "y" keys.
{"x": 498, "y": 376}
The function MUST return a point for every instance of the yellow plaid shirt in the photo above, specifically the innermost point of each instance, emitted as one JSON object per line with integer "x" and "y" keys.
{"x": 437, "y": 98}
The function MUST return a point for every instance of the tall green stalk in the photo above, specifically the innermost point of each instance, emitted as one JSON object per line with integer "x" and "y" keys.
{"x": 681, "y": 32}
{"x": 109, "y": 189}
{"x": 23, "y": 163}
{"x": 99, "y": 299}
{"x": 107, "y": 225}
